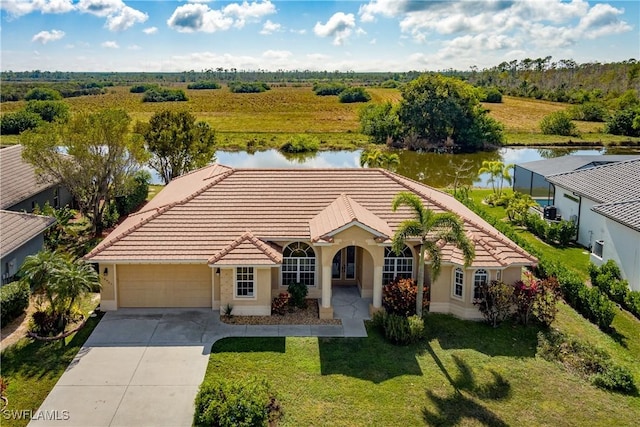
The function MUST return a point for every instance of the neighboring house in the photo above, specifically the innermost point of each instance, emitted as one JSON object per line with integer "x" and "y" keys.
{"x": 21, "y": 234}
{"x": 531, "y": 177}
{"x": 21, "y": 189}
{"x": 220, "y": 236}
{"x": 605, "y": 202}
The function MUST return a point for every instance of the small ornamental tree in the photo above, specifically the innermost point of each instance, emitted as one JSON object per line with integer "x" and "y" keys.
{"x": 495, "y": 302}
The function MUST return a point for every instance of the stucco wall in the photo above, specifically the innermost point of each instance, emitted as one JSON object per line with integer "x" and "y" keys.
{"x": 64, "y": 198}
{"x": 622, "y": 245}
{"x": 260, "y": 304}
{"x": 16, "y": 257}
{"x": 108, "y": 298}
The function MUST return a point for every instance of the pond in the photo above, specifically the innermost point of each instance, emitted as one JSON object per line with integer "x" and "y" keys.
{"x": 436, "y": 170}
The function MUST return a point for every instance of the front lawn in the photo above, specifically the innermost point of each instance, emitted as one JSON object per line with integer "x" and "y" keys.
{"x": 465, "y": 373}
{"x": 32, "y": 368}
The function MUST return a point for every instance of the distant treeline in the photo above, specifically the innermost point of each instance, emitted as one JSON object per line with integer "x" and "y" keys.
{"x": 17, "y": 92}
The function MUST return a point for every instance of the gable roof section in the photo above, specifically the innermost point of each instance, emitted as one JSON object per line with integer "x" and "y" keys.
{"x": 626, "y": 212}
{"x": 342, "y": 213}
{"x": 247, "y": 250}
{"x": 608, "y": 183}
{"x": 19, "y": 228}
{"x": 547, "y": 167}
{"x": 279, "y": 205}
{"x": 19, "y": 179}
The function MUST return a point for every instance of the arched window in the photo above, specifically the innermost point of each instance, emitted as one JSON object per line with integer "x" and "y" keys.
{"x": 298, "y": 264}
{"x": 400, "y": 265}
{"x": 458, "y": 283}
{"x": 480, "y": 278}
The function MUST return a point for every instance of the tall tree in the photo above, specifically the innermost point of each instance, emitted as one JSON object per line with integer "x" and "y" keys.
{"x": 438, "y": 109}
{"x": 93, "y": 155}
{"x": 177, "y": 143}
{"x": 431, "y": 228}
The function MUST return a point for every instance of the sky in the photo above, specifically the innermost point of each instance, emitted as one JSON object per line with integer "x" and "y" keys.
{"x": 373, "y": 35}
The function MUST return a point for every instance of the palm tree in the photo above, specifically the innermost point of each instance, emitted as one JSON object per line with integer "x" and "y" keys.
{"x": 499, "y": 172}
{"x": 432, "y": 228}
{"x": 378, "y": 159}
{"x": 40, "y": 271}
{"x": 77, "y": 279}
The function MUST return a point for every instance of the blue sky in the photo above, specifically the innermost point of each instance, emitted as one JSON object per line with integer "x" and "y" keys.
{"x": 373, "y": 35}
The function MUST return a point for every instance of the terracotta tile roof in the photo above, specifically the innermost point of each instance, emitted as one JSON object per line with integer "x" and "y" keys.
{"x": 341, "y": 213}
{"x": 278, "y": 205}
{"x": 614, "y": 182}
{"x": 247, "y": 250}
{"x": 19, "y": 179}
{"x": 626, "y": 212}
{"x": 17, "y": 228}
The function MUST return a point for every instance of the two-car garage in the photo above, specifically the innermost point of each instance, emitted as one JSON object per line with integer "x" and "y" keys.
{"x": 163, "y": 285}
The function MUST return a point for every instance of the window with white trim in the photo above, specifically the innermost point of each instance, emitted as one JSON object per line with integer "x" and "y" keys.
{"x": 298, "y": 264}
{"x": 397, "y": 265}
{"x": 458, "y": 283}
{"x": 480, "y": 278}
{"x": 245, "y": 283}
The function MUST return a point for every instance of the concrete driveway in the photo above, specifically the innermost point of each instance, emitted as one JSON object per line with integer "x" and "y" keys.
{"x": 143, "y": 367}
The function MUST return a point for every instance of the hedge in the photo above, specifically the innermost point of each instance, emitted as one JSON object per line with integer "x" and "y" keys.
{"x": 590, "y": 303}
{"x": 14, "y": 300}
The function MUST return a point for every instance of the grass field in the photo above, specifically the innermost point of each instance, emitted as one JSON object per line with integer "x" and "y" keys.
{"x": 268, "y": 119}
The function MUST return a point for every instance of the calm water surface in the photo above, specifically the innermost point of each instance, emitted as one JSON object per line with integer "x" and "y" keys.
{"x": 436, "y": 170}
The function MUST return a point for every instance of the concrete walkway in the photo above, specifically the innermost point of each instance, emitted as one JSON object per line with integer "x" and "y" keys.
{"x": 143, "y": 367}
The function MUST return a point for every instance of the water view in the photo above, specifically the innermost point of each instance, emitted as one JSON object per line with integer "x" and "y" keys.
{"x": 436, "y": 170}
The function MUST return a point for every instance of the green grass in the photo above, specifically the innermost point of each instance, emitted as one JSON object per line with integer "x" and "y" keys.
{"x": 574, "y": 257}
{"x": 153, "y": 191}
{"x": 32, "y": 368}
{"x": 465, "y": 373}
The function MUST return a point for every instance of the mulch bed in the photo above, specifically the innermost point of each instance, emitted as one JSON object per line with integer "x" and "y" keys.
{"x": 295, "y": 316}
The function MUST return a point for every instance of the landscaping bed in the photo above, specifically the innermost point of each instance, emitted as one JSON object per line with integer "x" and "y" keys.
{"x": 293, "y": 316}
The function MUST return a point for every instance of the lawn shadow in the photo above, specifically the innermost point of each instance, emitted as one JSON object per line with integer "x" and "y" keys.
{"x": 250, "y": 345}
{"x": 371, "y": 359}
{"x": 617, "y": 336}
{"x": 508, "y": 339}
{"x": 461, "y": 404}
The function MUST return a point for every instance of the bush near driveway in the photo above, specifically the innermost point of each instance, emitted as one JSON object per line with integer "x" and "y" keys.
{"x": 14, "y": 300}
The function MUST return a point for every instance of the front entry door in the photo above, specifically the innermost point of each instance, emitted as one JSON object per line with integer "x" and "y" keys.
{"x": 343, "y": 267}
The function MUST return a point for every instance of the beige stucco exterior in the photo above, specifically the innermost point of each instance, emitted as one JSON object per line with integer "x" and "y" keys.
{"x": 201, "y": 285}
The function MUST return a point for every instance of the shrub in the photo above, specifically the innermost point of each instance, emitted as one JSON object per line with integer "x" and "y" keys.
{"x": 632, "y": 303}
{"x": 142, "y": 88}
{"x": 354, "y": 94}
{"x": 545, "y": 305}
{"x": 43, "y": 94}
{"x": 246, "y": 402}
{"x": 110, "y": 215}
{"x": 301, "y": 144}
{"x": 203, "y": 85}
{"x": 525, "y": 293}
{"x": 491, "y": 95}
{"x": 608, "y": 279}
{"x": 589, "y": 112}
{"x": 558, "y": 123}
{"x": 298, "y": 292}
{"x": 518, "y": 207}
{"x": 45, "y": 323}
{"x": 164, "y": 95}
{"x": 559, "y": 232}
{"x": 327, "y": 89}
{"x": 17, "y": 122}
{"x": 399, "y": 329}
{"x": 399, "y": 297}
{"x": 598, "y": 308}
{"x": 495, "y": 302}
{"x": 138, "y": 194}
{"x": 49, "y": 111}
{"x": 622, "y": 123}
{"x": 248, "y": 87}
{"x": 585, "y": 360}
{"x": 280, "y": 303}
{"x": 14, "y": 300}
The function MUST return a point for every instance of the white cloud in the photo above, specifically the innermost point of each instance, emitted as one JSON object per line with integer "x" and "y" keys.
{"x": 45, "y": 37}
{"x": 110, "y": 44}
{"x": 134, "y": 47}
{"x": 339, "y": 26}
{"x": 270, "y": 27}
{"x": 119, "y": 16}
{"x": 24, "y": 7}
{"x": 302, "y": 31}
{"x": 277, "y": 54}
{"x": 150, "y": 30}
{"x": 197, "y": 16}
{"x": 602, "y": 19}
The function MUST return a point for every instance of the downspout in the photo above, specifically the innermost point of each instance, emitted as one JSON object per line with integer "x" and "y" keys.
{"x": 578, "y": 222}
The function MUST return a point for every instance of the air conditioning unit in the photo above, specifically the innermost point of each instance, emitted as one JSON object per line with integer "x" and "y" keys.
{"x": 573, "y": 218}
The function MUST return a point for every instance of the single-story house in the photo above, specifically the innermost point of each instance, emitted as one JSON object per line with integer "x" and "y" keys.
{"x": 605, "y": 203}
{"x": 220, "y": 236}
{"x": 22, "y": 188}
{"x": 531, "y": 177}
{"x": 21, "y": 234}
